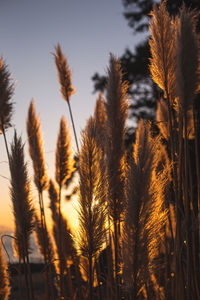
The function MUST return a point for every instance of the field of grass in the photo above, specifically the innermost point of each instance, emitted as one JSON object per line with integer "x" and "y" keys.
{"x": 138, "y": 206}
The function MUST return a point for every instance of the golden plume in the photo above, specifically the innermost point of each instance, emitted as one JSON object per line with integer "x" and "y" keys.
{"x": 145, "y": 214}
{"x": 67, "y": 89}
{"x": 64, "y": 156}
{"x": 100, "y": 119}
{"x": 91, "y": 236}
{"x": 4, "y": 279}
{"x": 64, "y": 74}
{"x": 162, "y": 63}
{"x": 64, "y": 169}
{"x": 36, "y": 148}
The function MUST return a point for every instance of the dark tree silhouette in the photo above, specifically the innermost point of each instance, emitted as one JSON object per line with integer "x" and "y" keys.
{"x": 143, "y": 92}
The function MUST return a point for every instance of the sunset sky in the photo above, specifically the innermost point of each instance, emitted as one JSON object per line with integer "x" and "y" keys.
{"x": 88, "y": 30}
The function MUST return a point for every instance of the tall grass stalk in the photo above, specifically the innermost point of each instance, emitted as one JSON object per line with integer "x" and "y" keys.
{"x": 46, "y": 248}
{"x": 22, "y": 207}
{"x": 64, "y": 168}
{"x": 187, "y": 80}
{"x": 100, "y": 119}
{"x": 117, "y": 110}
{"x": 68, "y": 249}
{"x": 145, "y": 215}
{"x": 163, "y": 69}
{"x": 66, "y": 87}
{"x": 92, "y": 232}
{"x": 6, "y": 104}
{"x": 40, "y": 178}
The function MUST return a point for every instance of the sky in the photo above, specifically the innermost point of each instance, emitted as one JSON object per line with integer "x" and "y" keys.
{"x": 88, "y": 31}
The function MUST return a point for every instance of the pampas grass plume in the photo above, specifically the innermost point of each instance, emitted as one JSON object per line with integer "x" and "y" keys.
{"x": 36, "y": 148}
{"x": 7, "y": 91}
{"x": 21, "y": 197}
{"x": 91, "y": 213}
{"x": 162, "y": 63}
{"x": 117, "y": 112}
{"x": 64, "y": 74}
{"x": 100, "y": 118}
{"x": 145, "y": 213}
{"x": 64, "y": 156}
{"x": 92, "y": 216}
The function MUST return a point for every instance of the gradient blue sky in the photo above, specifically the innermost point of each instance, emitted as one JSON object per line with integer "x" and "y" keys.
{"x": 88, "y": 30}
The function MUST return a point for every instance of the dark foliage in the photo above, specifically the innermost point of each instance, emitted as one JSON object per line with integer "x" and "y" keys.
{"x": 135, "y": 64}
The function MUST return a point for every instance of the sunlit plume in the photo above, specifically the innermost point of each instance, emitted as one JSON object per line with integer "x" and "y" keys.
{"x": 91, "y": 214}
{"x": 100, "y": 119}
{"x": 162, "y": 61}
{"x": 64, "y": 74}
{"x": 64, "y": 167}
{"x": 92, "y": 232}
{"x": 67, "y": 89}
{"x": 145, "y": 214}
{"x": 36, "y": 148}
{"x": 64, "y": 155}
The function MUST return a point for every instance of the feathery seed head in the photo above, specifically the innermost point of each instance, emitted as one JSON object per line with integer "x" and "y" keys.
{"x": 88, "y": 161}
{"x": 91, "y": 235}
{"x": 6, "y": 93}
{"x": 20, "y": 193}
{"x": 116, "y": 104}
{"x": 100, "y": 118}
{"x": 36, "y": 148}
{"x": 145, "y": 213}
{"x": 162, "y": 63}
{"x": 64, "y": 156}
{"x": 64, "y": 74}
{"x": 117, "y": 112}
